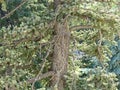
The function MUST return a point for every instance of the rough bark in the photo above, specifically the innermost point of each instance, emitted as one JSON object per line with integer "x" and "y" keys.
{"x": 61, "y": 48}
{"x": 60, "y": 56}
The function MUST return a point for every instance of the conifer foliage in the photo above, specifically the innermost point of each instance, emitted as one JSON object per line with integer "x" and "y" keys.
{"x": 58, "y": 44}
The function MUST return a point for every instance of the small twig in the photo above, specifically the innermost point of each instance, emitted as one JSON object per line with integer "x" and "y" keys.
{"x": 100, "y": 35}
{"x": 99, "y": 45}
{"x": 37, "y": 77}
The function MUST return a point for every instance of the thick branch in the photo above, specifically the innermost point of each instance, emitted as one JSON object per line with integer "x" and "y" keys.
{"x": 80, "y": 27}
{"x": 45, "y": 75}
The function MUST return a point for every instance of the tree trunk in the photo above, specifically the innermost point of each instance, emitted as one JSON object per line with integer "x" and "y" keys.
{"x": 56, "y": 3}
{"x": 60, "y": 56}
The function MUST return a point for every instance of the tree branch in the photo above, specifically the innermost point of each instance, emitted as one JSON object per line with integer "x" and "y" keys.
{"x": 21, "y": 40}
{"x": 45, "y": 75}
{"x": 11, "y": 12}
{"x": 80, "y": 27}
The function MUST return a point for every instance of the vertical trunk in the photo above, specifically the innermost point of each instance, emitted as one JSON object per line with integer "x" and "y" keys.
{"x": 56, "y": 3}
{"x": 60, "y": 57}
{"x": 61, "y": 47}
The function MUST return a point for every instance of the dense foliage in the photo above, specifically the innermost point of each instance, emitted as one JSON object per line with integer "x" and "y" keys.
{"x": 28, "y": 39}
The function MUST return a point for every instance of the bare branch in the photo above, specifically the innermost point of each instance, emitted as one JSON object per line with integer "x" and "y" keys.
{"x": 45, "y": 75}
{"x": 80, "y": 27}
{"x": 11, "y": 12}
